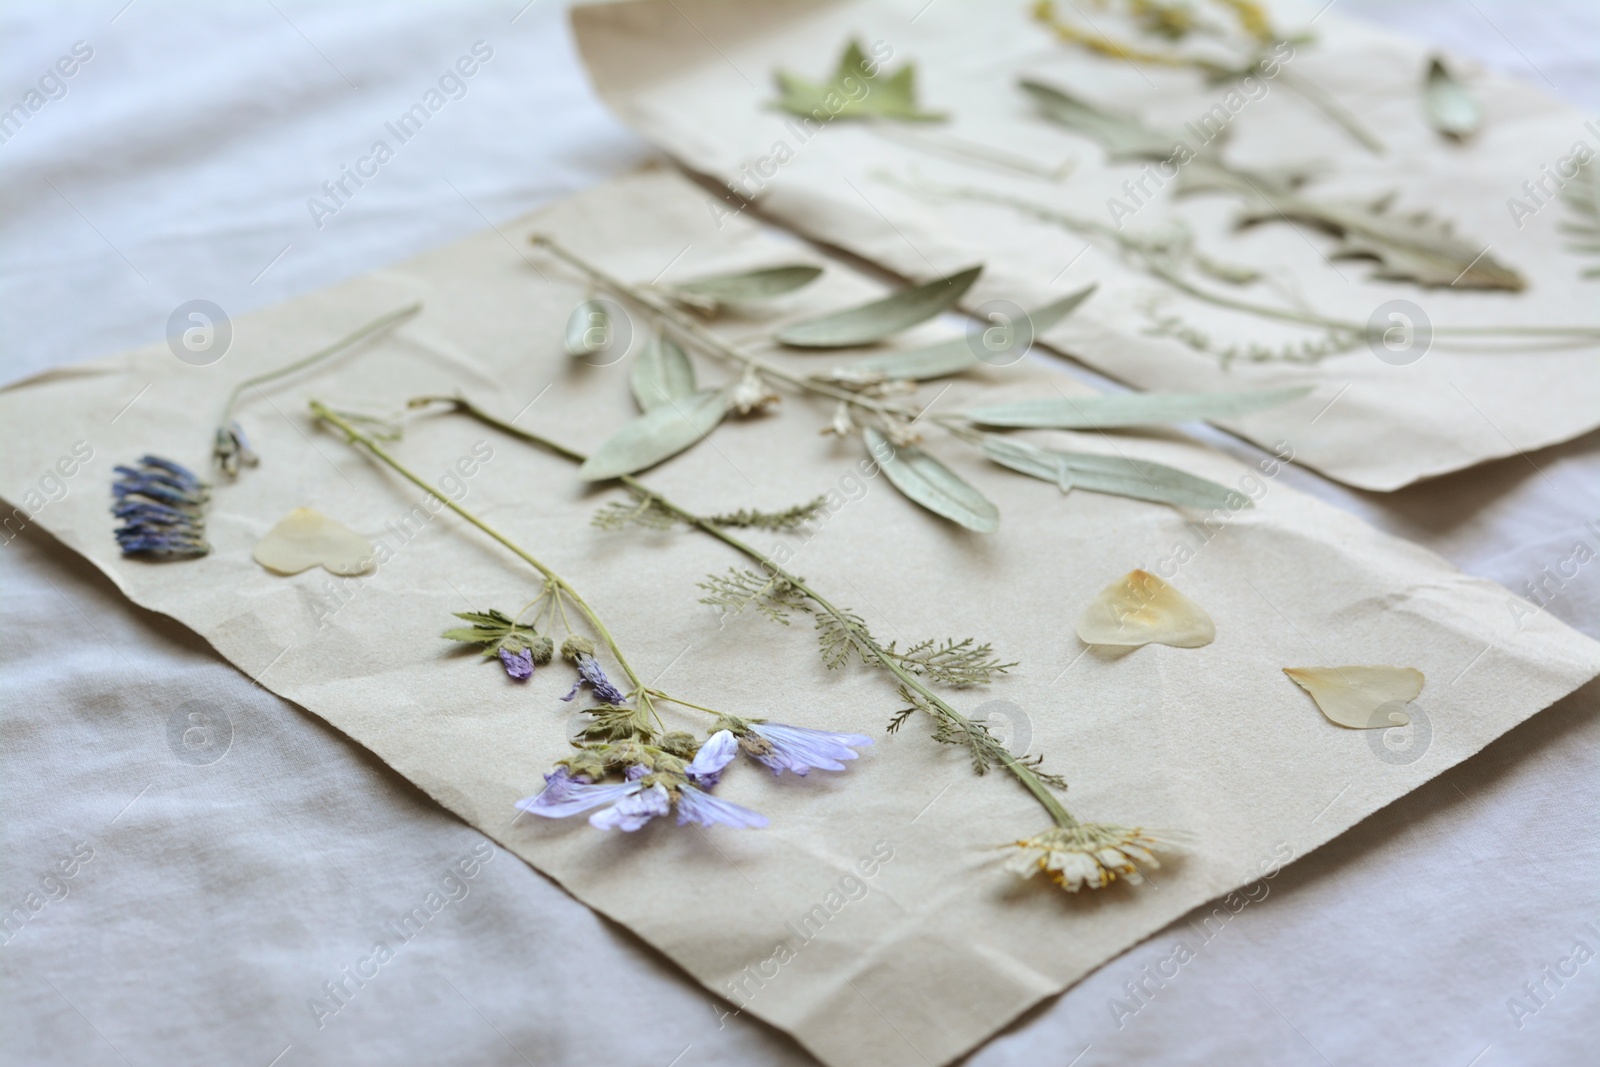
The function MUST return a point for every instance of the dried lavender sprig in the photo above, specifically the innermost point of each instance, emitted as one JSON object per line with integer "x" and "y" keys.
{"x": 161, "y": 505}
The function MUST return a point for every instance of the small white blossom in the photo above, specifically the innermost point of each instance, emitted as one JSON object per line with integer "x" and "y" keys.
{"x": 1091, "y": 855}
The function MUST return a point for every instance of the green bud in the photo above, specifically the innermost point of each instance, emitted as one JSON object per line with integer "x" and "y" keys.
{"x": 574, "y": 647}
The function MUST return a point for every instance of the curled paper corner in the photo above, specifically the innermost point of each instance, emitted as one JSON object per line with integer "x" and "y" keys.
{"x": 305, "y": 538}
{"x": 1141, "y": 609}
{"x": 1361, "y": 698}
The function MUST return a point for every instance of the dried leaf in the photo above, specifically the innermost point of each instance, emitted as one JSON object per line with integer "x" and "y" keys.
{"x": 1129, "y": 409}
{"x": 952, "y": 356}
{"x": 871, "y": 322}
{"x": 747, "y": 285}
{"x": 1582, "y": 197}
{"x": 1138, "y": 479}
{"x": 588, "y": 329}
{"x": 661, "y": 374}
{"x": 1409, "y": 247}
{"x": 657, "y": 434}
{"x": 857, "y": 89}
{"x": 1121, "y": 136}
{"x": 1452, "y": 110}
{"x": 494, "y": 630}
{"x": 1140, "y": 609}
{"x": 305, "y": 538}
{"x": 933, "y": 485}
{"x": 1361, "y": 697}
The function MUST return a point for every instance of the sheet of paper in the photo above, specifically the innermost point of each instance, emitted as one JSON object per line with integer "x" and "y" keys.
{"x": 939, "y": 947}
{"x": 696, "y": 76}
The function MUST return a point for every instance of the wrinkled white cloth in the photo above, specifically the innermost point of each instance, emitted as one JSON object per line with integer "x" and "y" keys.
{"x": 197, "y": 871}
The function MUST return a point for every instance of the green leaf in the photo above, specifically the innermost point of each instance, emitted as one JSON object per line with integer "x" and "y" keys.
{"x": 952, "y": 356}
{"x": 1451, "y": 110}
{"x": 1582, "y": 197}
{"x": 746, "y": 285}
{"x": 855, "y": 90}
{"x": 1121, "y": 136}
{"x": 1115, "y": 475}
{"x": 661, "y": 374}
{"x": 588, "y": 329}
{"x": 874, "y": 321}
{"x": 933, "y": 485}
{"x": 1128, "y": 409}
{"x": 657, "y": 434}
{"x": 494, "y": 630}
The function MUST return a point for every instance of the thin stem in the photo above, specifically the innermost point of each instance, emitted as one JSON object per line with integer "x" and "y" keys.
{"x": 558, "y": 584}
{"x": 382, "y": 322}
{"x": 941, "y": 709}
{"x": 659, "y": 695}
{"x": 1324, "y": 102}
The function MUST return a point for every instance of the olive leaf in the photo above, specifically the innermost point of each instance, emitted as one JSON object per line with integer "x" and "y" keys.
{"x": 1128, "y": 409}
{"x": 588, "y": 329}
{"x": 857, "y": 89}
{"x": 930, "y": 483}
{"x": 1452, "y": 110}
{"x": 1409, "y": 247}
{"x": 873, "y": 321}
{"x": 744, "y": 286}
{"x": 1121, "y": 136}
{"x": 660, "y": 432}
{"x": 958, "y": 353}
{"x": 661, "y": 374}
{"x": 1138, "y": 479}
{"x": 1582, "y": 197}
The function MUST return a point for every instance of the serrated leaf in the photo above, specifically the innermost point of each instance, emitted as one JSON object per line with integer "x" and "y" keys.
{"x": 1452, "y": 110}
{"x": 657, "y": 434}
{"x": 1137, "y": 479}
{"x": 952, "y": 356}
{"x": 1582, "y": 198}
{"x": 1128, "y": 409}
{"x": 1121, "y": 136}
{"x": 494, "y": 630}
{"x": 588, "y": 329}
{"x": 746, "y": 285}
{"x": 866, "y": 323}
{"x": 854, "y": 90}
{"x": 930, "y": 483}
{"x": 661, "y": 374}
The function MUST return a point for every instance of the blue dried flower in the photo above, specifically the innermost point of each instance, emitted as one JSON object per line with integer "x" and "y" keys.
{"x": 162, "y": 507}
{"x": 580, "y": 650}
{"x": 518, "y": 664}
{"x": 634, "y": 802}
{"x": 797, "y": 748}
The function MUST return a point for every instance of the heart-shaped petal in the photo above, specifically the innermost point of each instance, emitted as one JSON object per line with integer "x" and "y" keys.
{"x": 1140, "y": 609}
{"x": 306, "y": 538}
{"x": 1361, "y": 698}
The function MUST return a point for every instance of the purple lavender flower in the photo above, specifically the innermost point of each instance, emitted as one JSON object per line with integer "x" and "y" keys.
{"x": 798, "y": 749}
{"x": 518, "y": 664}
{"x": 580, "y": 650}
{"x": 705, "y": 770}
{"x": 161, "y": 505}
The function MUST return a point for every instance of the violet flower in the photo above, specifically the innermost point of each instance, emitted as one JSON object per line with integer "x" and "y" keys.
{"x": 798, "y": 749}
{"x": 705, "y": 770}
{"x": 634, "y": 802}
{"x": 161, "y": 505}
{"x": 518, "y": 664}
{"x": 580, "y": 650}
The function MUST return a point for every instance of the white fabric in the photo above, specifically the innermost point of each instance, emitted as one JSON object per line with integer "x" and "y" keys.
{"x": 218, "y": 898}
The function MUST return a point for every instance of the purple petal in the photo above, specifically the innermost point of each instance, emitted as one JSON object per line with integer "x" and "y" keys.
{"x": 518, "y": 664}
{"x": 636, "y": 772}
{"x": 705, "y": 809}
{"x": 564, "y": 795}
{"x": 798, "y": 749}
{"x": 705, "y": 770}
{"x": 591, "y": 674}
{"x": 632, "y": 812}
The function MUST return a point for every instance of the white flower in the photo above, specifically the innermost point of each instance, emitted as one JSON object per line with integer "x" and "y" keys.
{"x": 1091, "y": 855}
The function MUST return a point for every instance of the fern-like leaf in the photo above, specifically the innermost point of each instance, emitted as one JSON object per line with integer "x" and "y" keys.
{"x": 1582, "y": 197}
{"x": 749, "y": 518}
{"x": 951, "y": 662}
{"x": 641, "y": 510}
{"x": 771, "y": 595}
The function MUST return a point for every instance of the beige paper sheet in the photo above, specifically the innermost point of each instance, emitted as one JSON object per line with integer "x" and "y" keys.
{"x": 945, "y": 947}
{"x": 695, "y": 76}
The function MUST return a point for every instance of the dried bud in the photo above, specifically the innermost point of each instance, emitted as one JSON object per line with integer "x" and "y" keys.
{"x": 843, "y": 425}
{"x": 902, "y": 436}
{"x": 679, "y": 743}
{"x": 543, "y": 649}
{"x": 751, "y": 394}
{"x": 576, "y": 647}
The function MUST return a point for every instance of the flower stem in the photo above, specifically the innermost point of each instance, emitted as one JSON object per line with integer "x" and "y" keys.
{"x": 935, "y": 704}
{"x": 559, "y": 585}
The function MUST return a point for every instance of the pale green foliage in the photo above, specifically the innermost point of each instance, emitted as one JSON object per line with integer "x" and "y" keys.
{"x": 856, "y": 89}
{"x": 494, "y": 630}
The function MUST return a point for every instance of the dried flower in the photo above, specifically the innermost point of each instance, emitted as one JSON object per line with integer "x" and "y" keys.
{"x": 231, "y": 449}
{"x": 751, "y": 394}
{"x": 162, "y": 508}
{"x": 580, "y": 650}
{"x": 635, "y": 802}
{"x": 705, "y": 770}
{"x": 1090, "y": 854}
{"x": 792, "y": 748}
{"x": 519, "y": 665}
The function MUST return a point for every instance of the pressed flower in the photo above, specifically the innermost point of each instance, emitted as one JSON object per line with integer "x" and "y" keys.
{"x": 580, "y": 650}
{"x": 636, "y": 801}
{"x": 161, "y": 505}
{"x": 232, "y": 450}
{"x": 797, "y": 748}
{"x": 698, "y": 806}
{"x": 518, "y": 664}
{"x": 1091, "y": 854}
{"x": 705, "y": 770}
{"x": 631, "y": 812}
